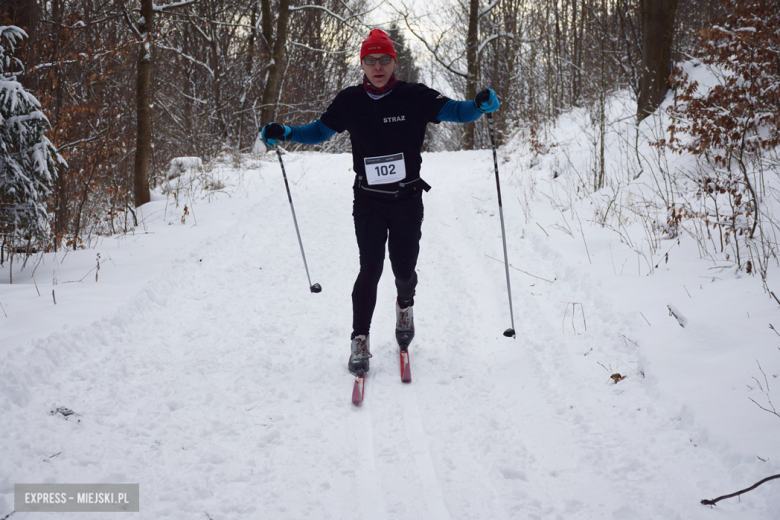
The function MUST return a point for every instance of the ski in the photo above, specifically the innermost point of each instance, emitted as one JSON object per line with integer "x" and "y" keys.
{"x": 357, "y": 390}
{"x": 406, "y": 369}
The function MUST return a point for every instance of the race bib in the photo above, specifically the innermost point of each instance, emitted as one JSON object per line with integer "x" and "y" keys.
{"x": 385, "y": 169}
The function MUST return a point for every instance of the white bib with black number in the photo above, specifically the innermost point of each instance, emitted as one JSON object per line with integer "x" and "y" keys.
{"x": 385, "y": 169}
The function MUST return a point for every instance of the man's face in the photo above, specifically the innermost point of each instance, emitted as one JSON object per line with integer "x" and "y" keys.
{"x": 377, "y": 73}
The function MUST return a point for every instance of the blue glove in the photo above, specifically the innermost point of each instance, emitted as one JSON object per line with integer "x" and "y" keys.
{"x": 486, "y": 101}
{"x": 273, "y": 133}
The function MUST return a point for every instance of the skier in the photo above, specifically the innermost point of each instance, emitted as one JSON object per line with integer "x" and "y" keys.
{"x": 386, "y": 120}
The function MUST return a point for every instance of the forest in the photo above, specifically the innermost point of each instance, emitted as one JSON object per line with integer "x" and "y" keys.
{"x": 111, "y": 91}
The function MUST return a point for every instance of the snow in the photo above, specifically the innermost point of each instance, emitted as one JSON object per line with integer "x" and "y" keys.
{"x": 259, "y": 146}
{"x": 199, "y": 365}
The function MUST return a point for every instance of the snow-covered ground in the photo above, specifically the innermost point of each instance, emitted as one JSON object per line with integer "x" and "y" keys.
{"x": 199, "y": 365}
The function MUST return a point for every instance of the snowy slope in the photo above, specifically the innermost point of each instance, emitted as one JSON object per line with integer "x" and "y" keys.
{"x": 200, "y": 366}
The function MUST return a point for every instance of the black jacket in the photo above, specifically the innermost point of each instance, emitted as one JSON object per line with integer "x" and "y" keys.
{"x": 392, "y": 125}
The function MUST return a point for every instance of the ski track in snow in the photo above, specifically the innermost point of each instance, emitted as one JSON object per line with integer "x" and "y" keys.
{"x": 370, "y": 495}
{"x": 222, "y": 388}
{"x": 419, "y": 443}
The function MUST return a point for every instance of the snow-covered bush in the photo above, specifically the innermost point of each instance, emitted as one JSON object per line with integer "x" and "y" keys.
{"x": 188, "y": 177}
{"x": 28, "y": 160}
{"x": 726, "y": 113}
{"x": 183, "y": 165}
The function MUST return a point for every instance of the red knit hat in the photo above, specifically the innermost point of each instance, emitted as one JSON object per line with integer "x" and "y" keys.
{"x": 377, "y": 43}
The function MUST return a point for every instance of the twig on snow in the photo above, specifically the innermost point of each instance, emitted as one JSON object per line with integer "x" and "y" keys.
{"x": 627, "y": 339}
{"x": 774, "y": 329}
{"x": 540, "y": 227}
{"x": 673, "y": 311}
{"x": 516, "y": 269}
{"x": 751, "y": 488}
{"x": 583, "y": 236}
{"x": 573, "y": 310}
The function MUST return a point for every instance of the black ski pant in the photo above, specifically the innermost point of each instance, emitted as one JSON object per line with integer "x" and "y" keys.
{"x": 399, "y": 224}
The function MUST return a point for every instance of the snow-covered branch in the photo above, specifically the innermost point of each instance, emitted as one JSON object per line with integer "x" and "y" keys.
{"x": 80, "y": 24}
{"x": 504, "y": 35}
{"x": 95, "y": 137}
{"x": 353, "y": 15}
{"x": 187, "y": 57}
{"x": 433, "y": 49}
{"x": 491, "y": 38}
{"x": 316, "y": 50}
{"x": 343, "y": 20}
{"x": 200, "y": 31}
{"x": 175, "y": 5}
{"x": 130, "y": 23}
{"x": 488, "y": 9}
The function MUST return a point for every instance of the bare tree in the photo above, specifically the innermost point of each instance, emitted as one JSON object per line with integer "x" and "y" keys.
{"x": 471, "y": 25}
{"x": 143, "y": 28}
{"x": 347, "y": 15}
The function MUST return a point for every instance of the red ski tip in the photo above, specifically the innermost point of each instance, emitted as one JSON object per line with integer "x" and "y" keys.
{"x": 357, "y": 390}
{"x": 406, "y": 369}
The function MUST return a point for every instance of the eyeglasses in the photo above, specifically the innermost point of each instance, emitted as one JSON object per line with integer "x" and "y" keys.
{"x": 384, "y": 60}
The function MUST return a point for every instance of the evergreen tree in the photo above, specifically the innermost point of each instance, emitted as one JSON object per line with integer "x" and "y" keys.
{"x": 405, "y": 70}
{"x": 28, "y": 160}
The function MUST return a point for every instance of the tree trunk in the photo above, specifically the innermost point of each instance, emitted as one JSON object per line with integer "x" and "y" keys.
{"x": 657, "y": 32}
{"x": 143, "y": 150}
{"x": 248, "y": 63}
{"x": 61, "y": 184}
{"x": 213, "y": 44}
{"x": 472, "y": 42}
{"x": 574, "y": 65}
{"x": 218, "y": 105}
{"x": 602, "y": 109}
{"x": 274, "y": 77}
{"x": 26, "y": 16}
{"x": 266, "y": 28}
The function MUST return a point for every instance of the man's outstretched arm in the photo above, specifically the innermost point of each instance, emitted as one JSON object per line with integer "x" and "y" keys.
{"x": 311, "y": 133}
{"x": 468, "y": 111}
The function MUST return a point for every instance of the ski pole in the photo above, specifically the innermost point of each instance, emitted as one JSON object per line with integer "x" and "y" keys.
{"x": 316, "y": 287}
{"x": 509, "y": 333}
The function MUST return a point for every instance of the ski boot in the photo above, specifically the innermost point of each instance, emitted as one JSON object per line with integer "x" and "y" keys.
{"x": 404, "y": 325}
{"x": 358, "y": 358}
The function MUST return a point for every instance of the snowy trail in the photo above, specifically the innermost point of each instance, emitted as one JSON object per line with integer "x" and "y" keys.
{"x": 222, "y": 385}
